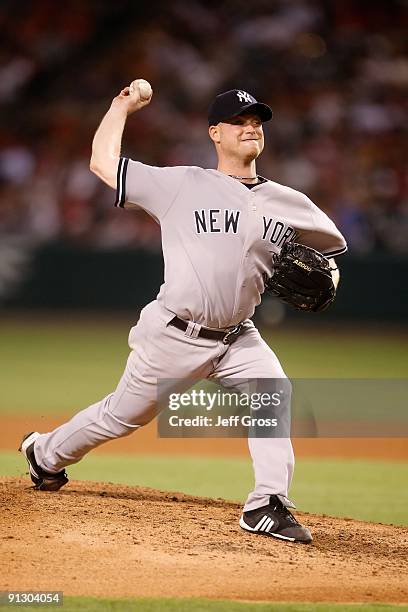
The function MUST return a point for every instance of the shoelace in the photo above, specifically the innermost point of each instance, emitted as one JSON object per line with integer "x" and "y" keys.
{"x": 279, "y": 508}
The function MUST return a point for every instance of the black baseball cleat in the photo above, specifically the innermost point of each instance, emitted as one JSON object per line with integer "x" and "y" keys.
{"x": 275, "y": 520}
{"x": 43, "y": 481}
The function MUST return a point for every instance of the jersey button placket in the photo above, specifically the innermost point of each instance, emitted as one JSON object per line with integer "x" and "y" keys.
{"x": 252, "y": 208}
{"x": 237, "y": 310}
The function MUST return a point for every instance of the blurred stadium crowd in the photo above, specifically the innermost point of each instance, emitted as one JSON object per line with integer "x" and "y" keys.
{"x": 334, "y": 72}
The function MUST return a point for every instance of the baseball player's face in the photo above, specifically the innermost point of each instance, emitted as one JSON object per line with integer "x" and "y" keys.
{"x": 240, "y": 136}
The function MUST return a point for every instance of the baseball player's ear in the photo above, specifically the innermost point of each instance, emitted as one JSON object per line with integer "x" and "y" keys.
{"x": 214, "y": 132}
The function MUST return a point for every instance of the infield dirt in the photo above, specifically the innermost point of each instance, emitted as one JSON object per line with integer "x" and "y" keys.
{"x": 146, "y": 441}
{"x": 99, "y": 539}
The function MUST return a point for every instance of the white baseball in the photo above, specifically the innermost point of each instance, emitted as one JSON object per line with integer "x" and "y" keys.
{"x": 145, "y": 89}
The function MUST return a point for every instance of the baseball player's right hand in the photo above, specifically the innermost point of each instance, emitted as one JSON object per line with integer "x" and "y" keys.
{"x": 131, "y": 98}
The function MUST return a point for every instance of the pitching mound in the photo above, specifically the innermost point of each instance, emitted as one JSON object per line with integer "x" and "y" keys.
{"x": 109, "y": 540}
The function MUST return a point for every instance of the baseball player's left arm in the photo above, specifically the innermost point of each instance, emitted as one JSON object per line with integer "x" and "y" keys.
{"x": 324, "y": 236}
{"x": 320, "y": 232}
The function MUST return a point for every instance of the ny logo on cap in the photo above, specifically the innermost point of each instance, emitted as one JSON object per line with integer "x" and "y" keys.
{"x": 244, "y": 96}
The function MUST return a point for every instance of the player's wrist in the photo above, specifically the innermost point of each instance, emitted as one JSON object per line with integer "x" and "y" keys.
{"x": 119, "y": 109}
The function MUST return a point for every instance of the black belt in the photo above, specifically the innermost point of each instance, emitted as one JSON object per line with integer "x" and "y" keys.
{"x": 227, "y": 337}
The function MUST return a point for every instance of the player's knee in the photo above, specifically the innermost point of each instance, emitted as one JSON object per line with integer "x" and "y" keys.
{"x": 127, "y": 422}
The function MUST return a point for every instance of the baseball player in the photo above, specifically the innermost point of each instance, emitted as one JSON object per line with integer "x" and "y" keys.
{"x": 219, "y": 228}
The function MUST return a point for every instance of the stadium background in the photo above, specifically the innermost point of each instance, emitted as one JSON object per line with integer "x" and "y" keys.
{"x": 74, "y": 271}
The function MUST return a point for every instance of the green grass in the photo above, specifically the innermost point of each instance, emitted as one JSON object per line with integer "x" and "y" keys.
{"x": 358, "y": 489}
{"x": 90, "y": 604}
{"x": 65, "y": 364}
{"x": 59, "y": 366}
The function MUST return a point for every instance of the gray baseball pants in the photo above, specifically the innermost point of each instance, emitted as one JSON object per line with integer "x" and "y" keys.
{"x": 160, "y": 351}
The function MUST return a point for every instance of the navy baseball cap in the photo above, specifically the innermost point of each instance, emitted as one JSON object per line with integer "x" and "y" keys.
{"x": 234, "y": 102}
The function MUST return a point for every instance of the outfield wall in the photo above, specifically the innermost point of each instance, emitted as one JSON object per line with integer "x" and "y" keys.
{"x": 67, "y": 277}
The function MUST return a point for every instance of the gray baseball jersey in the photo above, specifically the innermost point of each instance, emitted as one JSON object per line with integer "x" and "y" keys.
{"x": 218, "y": 236}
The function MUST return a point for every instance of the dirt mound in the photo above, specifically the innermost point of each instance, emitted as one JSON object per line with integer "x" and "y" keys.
{"x": 107, "y": 540}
